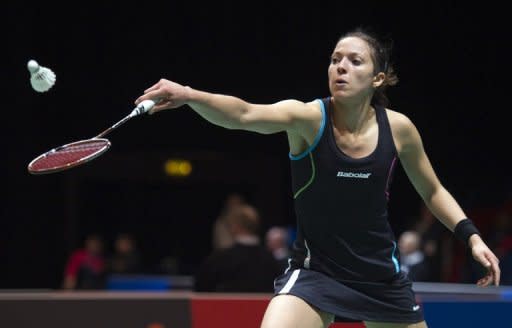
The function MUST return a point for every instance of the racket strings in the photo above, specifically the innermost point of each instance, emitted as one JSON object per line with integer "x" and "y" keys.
{"x": 69, "y": 154}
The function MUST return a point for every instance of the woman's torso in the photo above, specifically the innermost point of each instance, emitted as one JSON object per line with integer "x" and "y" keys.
{"x": 341, "y": 204}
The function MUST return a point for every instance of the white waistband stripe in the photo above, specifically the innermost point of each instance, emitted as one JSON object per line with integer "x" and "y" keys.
{"x": 291, "y": 282}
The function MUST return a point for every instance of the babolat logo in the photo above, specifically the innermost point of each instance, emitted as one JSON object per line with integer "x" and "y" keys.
{"x": 342, "y": 174}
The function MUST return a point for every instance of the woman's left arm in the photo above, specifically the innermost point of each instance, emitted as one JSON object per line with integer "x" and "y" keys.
{"x": 440, "y": 201}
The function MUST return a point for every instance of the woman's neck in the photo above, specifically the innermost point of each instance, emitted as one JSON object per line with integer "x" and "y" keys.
{"x": 352, "y": 118}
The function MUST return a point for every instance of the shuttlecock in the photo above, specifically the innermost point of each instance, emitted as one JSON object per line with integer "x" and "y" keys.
{"x": 41, "y": 78}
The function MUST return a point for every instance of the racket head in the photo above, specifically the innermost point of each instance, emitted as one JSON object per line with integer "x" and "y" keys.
{"x": 68, "y": 156}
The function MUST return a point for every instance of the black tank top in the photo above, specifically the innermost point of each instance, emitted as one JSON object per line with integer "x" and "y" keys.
{"x": 341, "y": 206}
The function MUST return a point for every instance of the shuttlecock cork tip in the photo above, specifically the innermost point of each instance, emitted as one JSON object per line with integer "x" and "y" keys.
{"x": 32, "y": 66}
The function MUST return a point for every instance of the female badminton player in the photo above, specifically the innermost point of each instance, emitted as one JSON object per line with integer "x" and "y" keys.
{"x": 343, "y": 149}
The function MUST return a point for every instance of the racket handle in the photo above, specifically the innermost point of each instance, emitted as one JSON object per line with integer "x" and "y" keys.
{"x": 143, "y": 107}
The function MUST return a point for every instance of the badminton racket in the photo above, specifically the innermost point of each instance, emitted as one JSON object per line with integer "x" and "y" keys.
{"x": 80, "y": 152}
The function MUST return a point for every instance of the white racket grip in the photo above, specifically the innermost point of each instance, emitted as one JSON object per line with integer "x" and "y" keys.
{"x": 143, "y": 107}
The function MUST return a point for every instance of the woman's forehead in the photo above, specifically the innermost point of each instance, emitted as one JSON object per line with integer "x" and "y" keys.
{"x": 353, "y": 45}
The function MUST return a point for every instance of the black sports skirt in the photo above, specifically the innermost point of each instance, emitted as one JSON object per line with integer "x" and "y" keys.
{"x": 392, "y": 301}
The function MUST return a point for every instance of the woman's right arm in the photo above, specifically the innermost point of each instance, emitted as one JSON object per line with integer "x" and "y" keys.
{"x": 231, "y": 112}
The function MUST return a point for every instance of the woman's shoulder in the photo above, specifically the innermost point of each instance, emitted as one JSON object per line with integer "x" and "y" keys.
{"x": 403, "y": 129}
{"x": 304, "y": 111}
{"x": 398, "y": 121}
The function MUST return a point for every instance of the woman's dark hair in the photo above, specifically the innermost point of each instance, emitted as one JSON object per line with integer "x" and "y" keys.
{"x": 380, "y": 54}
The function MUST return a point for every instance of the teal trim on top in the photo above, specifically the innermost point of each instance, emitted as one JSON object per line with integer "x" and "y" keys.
{"x": 393, "y": 258}
{"x": 317, "y": 138}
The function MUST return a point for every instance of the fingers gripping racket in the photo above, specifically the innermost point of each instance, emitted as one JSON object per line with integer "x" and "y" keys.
{"x": 79, "y": 152}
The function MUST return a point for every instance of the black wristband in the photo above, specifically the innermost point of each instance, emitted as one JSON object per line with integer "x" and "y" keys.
{"x": 465, "y": 229}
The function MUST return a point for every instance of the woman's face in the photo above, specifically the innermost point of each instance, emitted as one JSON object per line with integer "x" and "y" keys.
{"x": 351, "y": 71}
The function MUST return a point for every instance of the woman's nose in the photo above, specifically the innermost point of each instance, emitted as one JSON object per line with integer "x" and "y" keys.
{"x": 342, "y": 65}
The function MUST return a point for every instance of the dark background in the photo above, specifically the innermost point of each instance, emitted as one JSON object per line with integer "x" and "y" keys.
{"x": 452, "y": 59}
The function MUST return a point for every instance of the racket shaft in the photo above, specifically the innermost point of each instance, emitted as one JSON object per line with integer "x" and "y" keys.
{"x": 106, "y": 131}
{"x": 142, "y": 108}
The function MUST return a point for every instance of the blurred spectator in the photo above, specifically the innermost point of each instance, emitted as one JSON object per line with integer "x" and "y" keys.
{"x": 85, "y": 268}
{"x": 222, "y": 237}
{"x": 126, "y": 257}
{"x": 412, "y": 259}
{"x": 245, "y": 266}
{"x": 437, "y": 244}
{"x": 277, "y": 240}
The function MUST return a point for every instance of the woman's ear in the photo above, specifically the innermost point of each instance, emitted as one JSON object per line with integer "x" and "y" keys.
{"x": 378, "y": 79}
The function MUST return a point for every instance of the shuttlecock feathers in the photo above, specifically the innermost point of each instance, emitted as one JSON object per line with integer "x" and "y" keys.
{"x": 41, "y": 78}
